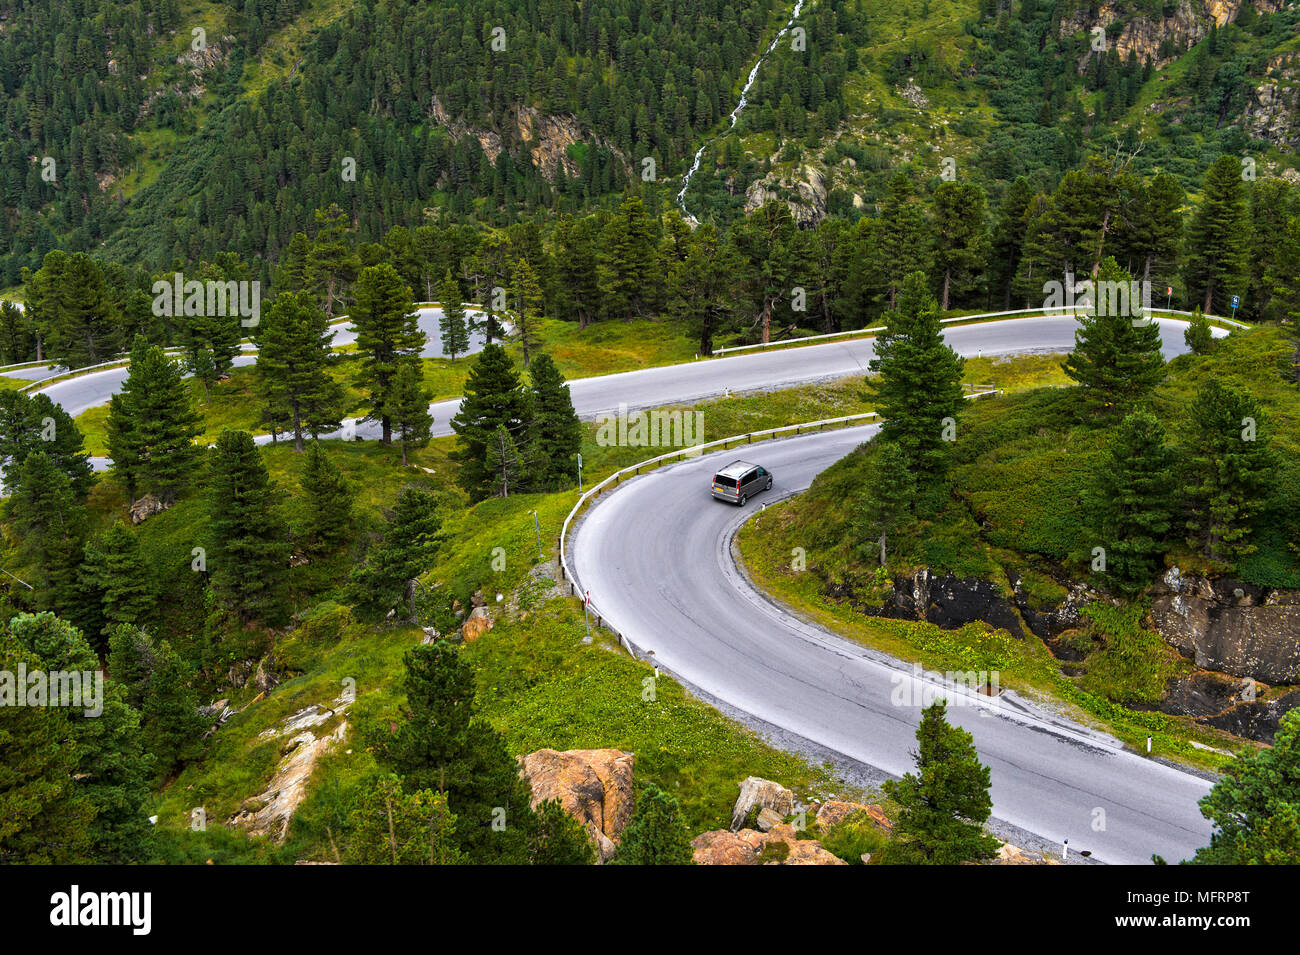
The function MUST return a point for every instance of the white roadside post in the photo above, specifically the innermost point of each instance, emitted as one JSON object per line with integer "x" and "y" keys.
{"x": 579, "y": 472}
{"x": 586, "y": 600}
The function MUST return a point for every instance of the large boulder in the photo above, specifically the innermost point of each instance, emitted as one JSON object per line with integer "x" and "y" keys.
{"x": 763, "y": 793}
{"x": 593, "y": 785}
{"x": 476, "y": 624}
{"x": 781, "y": 846}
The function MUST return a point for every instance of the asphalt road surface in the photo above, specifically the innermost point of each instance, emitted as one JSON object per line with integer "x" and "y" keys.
{"x": 655, "y": 555}
{"x": 94, "y": 389}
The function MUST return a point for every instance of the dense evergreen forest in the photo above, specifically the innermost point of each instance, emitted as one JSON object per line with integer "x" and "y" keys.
{"x": 167, "y": 147}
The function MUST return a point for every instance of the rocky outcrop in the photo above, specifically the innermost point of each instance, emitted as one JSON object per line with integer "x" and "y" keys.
{"x": 835, "y": 811}
{"x": 1230, "y": 626}
{"x": 146, "y": 507}
{"x": 476, "y": 624}
{"x": 1014, "y": 855}
{"x": 804, "y": 190}
{"x": 1186, "y": 25}
{"x": 1273, "y": 111}
{"x": 1049, "y": 620}
{"x": 947, "y": 601}
{"x": 913, "y": 94}
{"x": 766, "y": 795}
{"x": 270, "y": 812}
{"x": 545, "y": 139}
{"x": 781, "y": 846}
{"x": 593, "y": 785}
{"x": 1238, "y": 706}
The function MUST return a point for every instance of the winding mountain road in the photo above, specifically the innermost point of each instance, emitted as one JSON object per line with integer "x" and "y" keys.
{"x": 656, "y": 555}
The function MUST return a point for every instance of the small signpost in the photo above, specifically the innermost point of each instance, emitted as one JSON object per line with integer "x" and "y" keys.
{"x": 1169, "y": 297}
{"x": 1236, "y": 300}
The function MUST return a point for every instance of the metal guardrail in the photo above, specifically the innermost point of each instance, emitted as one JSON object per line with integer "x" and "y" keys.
{"x": 979, "y": 317}
{"x": 566, "y": 571}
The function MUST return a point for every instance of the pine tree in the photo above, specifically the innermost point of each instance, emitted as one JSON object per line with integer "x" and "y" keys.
{"x": 504, "y": 464}
{"x": 904, "y": 245}
{"x": 388, "y": 333}
{"x": 409, "y": 548}
{"x": 152, "y": 426}
{"x": 173, "y": 728}
{"x": 1228, "y": 467}
{"x": 51, "y": 529}
{"x": 443, "y": 745}
{"x": 657, "y": 833}
{"x": 708, "y": 289}
{"x": 1255, "y": 805}
{"x": 493, "y": 398}
{"x": 293, "y": 362}
{"x": 892, "y": 493}
{"x": 560, "y": 839}
{"x": 768, "y": 243}
{"x": 1219, "y": 237}
{"x": 45, "y": 817}
{"x": 125, "y": 580}
{"x": 1197, "y": 336}
{"x": 919, "y": 391}
{"x": 575, "y": 260}
{"x": 328, "y": 500}
{"x": 1116, "y": 355}
{"x": 1131, "y": 500}
{"x": 248, "y": 558}
{"x": 131, "y": 658}
{"x": 625, "y": 261}
{"x": 69, "y": 304}
{"x": 36, "y": 423}
{"x": 114, "y": 770}
{"x": 331, "y": 263}
{"x": 945, "y": 804}
{"x": 961, "y": 240}
{"x": 528, "y": 317}
{"x": 1008, "y": 240}
{"x": 1162, "y": 228}
{"x": 556, "y": 432}
{"x": 408, "y": 408}
{"x": 392, "y": 827}
{"x": 452, "y": 323}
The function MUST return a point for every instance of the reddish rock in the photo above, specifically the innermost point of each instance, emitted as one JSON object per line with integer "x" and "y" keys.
{"x": 593, "y": 785}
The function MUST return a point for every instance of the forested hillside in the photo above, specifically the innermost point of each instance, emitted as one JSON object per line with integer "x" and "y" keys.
{"x": 222, "y": 128}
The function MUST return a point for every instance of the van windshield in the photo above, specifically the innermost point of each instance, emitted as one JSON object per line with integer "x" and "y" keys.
{"x": 726, "y": 481}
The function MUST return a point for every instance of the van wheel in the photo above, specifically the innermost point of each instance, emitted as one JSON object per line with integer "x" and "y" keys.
{"x": 743, "y": 499}
{"x": 769, "y": 484}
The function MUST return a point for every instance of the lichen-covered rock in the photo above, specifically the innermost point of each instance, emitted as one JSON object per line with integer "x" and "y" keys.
{"x": 834, "y": 811}
{"x": 594, "y": 786}
{"x": 751, "y": 847}
{"x": 756, "y": 791}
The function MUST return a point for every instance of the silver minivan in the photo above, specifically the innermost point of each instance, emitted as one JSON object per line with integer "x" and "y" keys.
{"x": 739, "y": 481}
